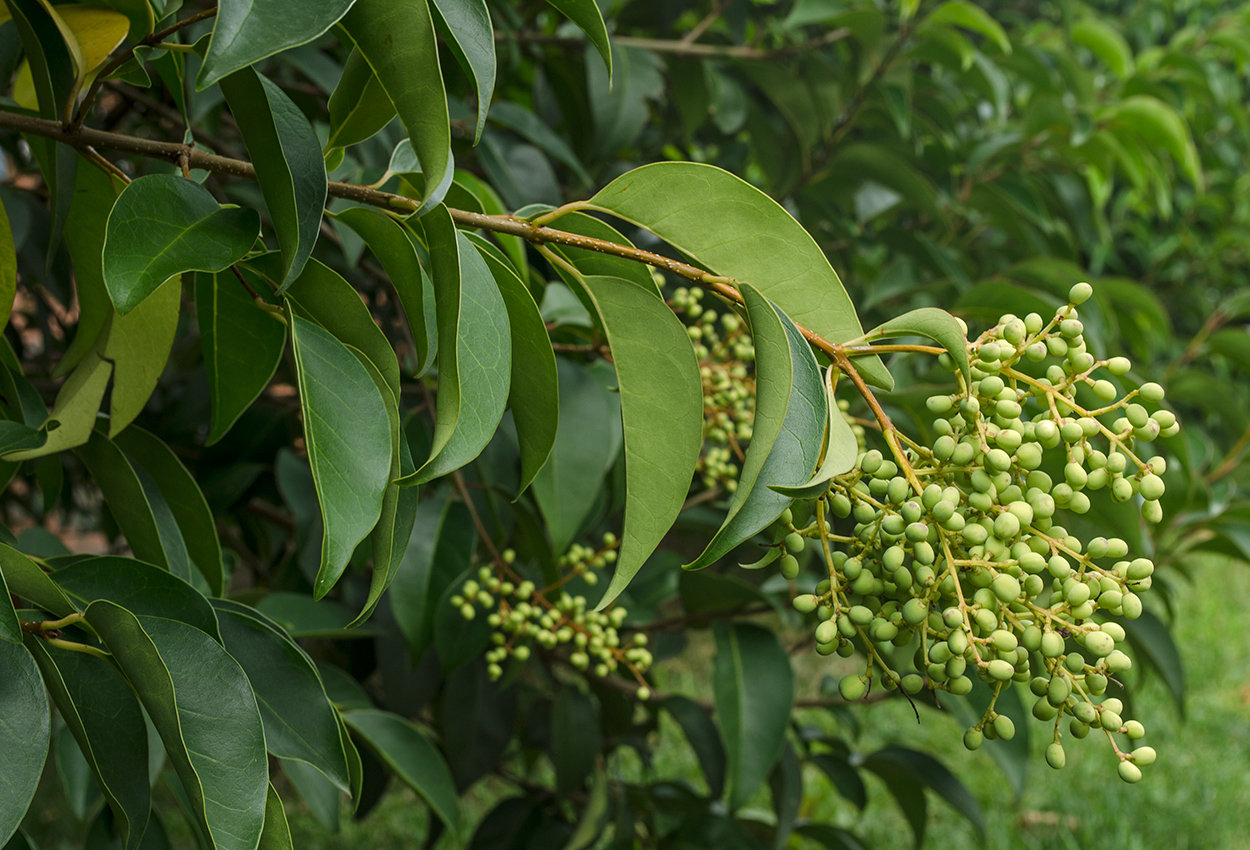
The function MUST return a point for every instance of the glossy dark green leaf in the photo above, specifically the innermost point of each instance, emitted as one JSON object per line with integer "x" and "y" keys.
{"x": 80, "y": 786}
{"x": 478, "y": 721}
{"x": 576, "y": 738}
{"x": 246, "y": 31}
{"x": 24, "y": 734}
{"x": 844, "y": 777}
{"x": 441, "y": 548}
{"x": 931, "y": 323}
{"x": 904, "y": 770}
{"x": 359, "y": 106}
{"x": 192, "y": 689}
{"x": 182, "y": 494}
{"x": 141, "y": 588}
{"x": 8, "y": 268}
{"x": 242, "y": 345}
{"x": 163, "y": 225}
{"x": 300, "y": 723}
{"x": 458, "y": 640}
{"x": 755, "y": 241}
{"x": 103, "y": 834}
{"x": 289, "y": 167}
{"x": 277, "y": 834}
{"x": 754, "y": 689}
{"x": 16, "y": 437}
{"x": 790, "y": 413}
{"x": 390, "y": 537}
{"x": 840, "y": 452}
{"x": 397, "y": 39}
{"x": 26, "y": 580}
{"x": 700, "y": 730}
{"x": 586, "y": 14}
{"x": 661, "y": 410}
{"x": 101, "y": 712}
{"x": 10, "y": 630}
{"x": 785, "y": 784}
{"x": 474, "y": 349}
{"x": 530, "y": 127}
{"x": 466, "y": 29}
{"x": 348, "y": 435}
{"x": 322, "y": 797}
{"x": 534, "y": 391}
{"x": 412, "y": 757}
{"x": 1152, "y": 640}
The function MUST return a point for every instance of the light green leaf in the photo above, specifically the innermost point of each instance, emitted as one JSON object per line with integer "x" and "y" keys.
{"x": 392, "y": 244}
{"x": 841, "y": 449}
{"x": 192, "y": 690}
{"x": 246, "y": 31}
{"x": 412, "y": 757}
{"x": 347, "y": 432}
{"x": 10, "y": 630}
{"x": 300, "y": 724}
{"x": 242, "y": 346}
{"x": 534, "y": 390}
{"x": 754, "y": 241}
{"x": 1159, "y": 125}
{"x": 1105, "y": 42}
{"x": 474, "y": 350}
{"x": 24, "y": 734}
{"x": 74, "y": 413}
{"x": 754, "y": 690}
{"x": 284, "y": 149}
{"x": 140, "y": 588}
{"x": 931, "y": 323}
{"x": 466, "y": 29}
{"x": 277, "y": 834}
{"x": 790, "y": 411}
{"x": 661, "y": 410}
{"x": 359, "y": 106}
{"x": 397, "y": 38}
{"x": 94, "y": 195}
{"x": 138, "y": 345}
{"x": 965, "y": 15}
{"x": 586, "y": 14}
{"x": 27, "y": 581}
{"x": 163, "y": 225}
{"x": 104, "y": 717}
{"x": 8, "y": 268}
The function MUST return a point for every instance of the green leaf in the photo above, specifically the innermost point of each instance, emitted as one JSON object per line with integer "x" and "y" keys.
{"x": 183, "y": 496}
{"x": 8, "y": 268}
{"x": 320, "y": 795}
{"x": 594, "y": 816}
{"x": 865, "y": 161}
{"x": 440, "y": 549}
{"x": 163, "y": 225}
{"x": 1105, "y": 42}
{"x": 390, "y": 536}
{"x": 755, "y": 241}
{"x": 284, "y": 149}
{"x": 138, "y": 345}
{"x": 347, "y": 432}
{"x": 24, "y": 734}
{"x": 534, "y": 391}
{"x": 931, "y": 323}
{"x": 965, "y": 15}
{"x": 754, "y": 690}
{"x": 140, "y": 588}
{"x": 661, "y": 411}
{"x": 1152, "y": 640}
{"x": 1159, "y": 125}
{"x": 26, "y": 580}
{"x": 785, "y": 784}
{"x": 586, "y": 14}
{"x": 105, "y": 719}
{"x": 474, "y": 350}
{"x": 246, "y": 31}
{"x": 74, "y": 413}
{"x": 458, "y": 640}
{"x": 16, "y": 437}
{"x": 533, "y": 129}
{"x": 397, "y": 39}
{"x": 829, "y": 836}
{"x": 844, "y": 777}
{"x": 80, "y": 785}
{"x": 192, "y": 690}
{"x": 576, "y": 738}
{"x": 94, "y": 195}
{"x": 359, "y": 106}
{"x": 277, "y": 834}
{"x": 10, "y": 629}
{"x": 300, "y": 724}
{"x": 790, "y": 413}
{"x": 700, "y": 730}
{"x": 412, "y": 757}
{"x": 242, "y": 346}
{"x": 841, "y": 448}
{"x": 466, "y": 29}
{"x": 392, "y": 244}
{"x": 906, "y": 773}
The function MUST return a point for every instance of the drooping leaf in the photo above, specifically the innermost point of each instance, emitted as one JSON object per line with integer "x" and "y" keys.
{"x": 74, "y": 412}
{"x": 347, "y": 432}
{"x": 755, "y": 241}
{"x": 530, "y": 127}
{"x": 192, "y": 689}
{"x": 359, "y": 106}
{"x": 963, "y": 14}
{"x": 441, "y": 548}
{"x": 907, "y": 772}
{"x": 246, "y": 31}
{"x": 163, "y": 225}
{"x": 458, "y": 639}
{"x": 467, "y": 31}
{"x": 104, "y": 717}
{"x": 576, "y": 738}
{"x": 474, "y": 350}
{"x": 586, "y": 14}
{"x": 1159, "y": 125}
{"x": 390, "y": 537}
{"x": 94, "y": 195}
{"x": 397, "y": 39}
{"x": 138, "y": 345}
{"x": 844, "y": 777}
{"x": 79, "y": 784}
{"x": 790, "y": 413}
{"x": 26, "y": 580}
{"x": 10, "y": 630}
{"x": 1105, "y": 42}
{"x": 322, "y": 796}
{"x": 841, "y": 448}
{"x": 700, "y": 730}
{"x": 140, "y": 588}
{"x": 785, "y": 783}
{"x": 24, "y": 734}
{"x": 300, "y": 724}
{"x": 413, "y": 758}
{"x": 932, "y": 323}
{"x": 1152, "y": 640}
{"x": 287, "y": 156}
{"x": 242, "y": 345}
{"x": 277, "y": 834}
{"x": 8, "y": 268}
{"x": 478, "y": 720}
{"x": 754, "y": 689}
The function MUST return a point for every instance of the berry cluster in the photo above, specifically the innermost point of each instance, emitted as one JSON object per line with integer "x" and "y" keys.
{"x": 958, "y": 546}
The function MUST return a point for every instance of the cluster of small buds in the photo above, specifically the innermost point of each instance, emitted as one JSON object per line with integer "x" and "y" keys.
{"x": 582, "y": 560}
{"x": 962, "y": 552}
{"x": 725, "y": 350}
{"x": 524, "y": 616}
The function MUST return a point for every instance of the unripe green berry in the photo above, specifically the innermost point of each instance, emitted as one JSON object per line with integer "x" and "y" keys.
{"x": 1129, "y": 772}
{"x": 1001, "y": 670}
{"x": 1055, "y": 756}
{"x": 1099, "y": 643}
{"x": 1004, "y": 726}
{"x": 1151, "y": 392}
{"x": 1006, "y": 587}
{"x": 789, "y": 566}
{"x": 1144, "y": 756}
{"x": 852, "y": 687}
{"x": 805, "y": 603}
{"x": 827, "y": 632}
{"x": 973, "y": 739}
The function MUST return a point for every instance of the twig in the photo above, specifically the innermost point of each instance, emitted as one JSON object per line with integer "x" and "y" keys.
{"x": 683, "y": 48}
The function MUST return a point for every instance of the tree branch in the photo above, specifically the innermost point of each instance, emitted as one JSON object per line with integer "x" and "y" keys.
{"x": 683, "y": 48}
